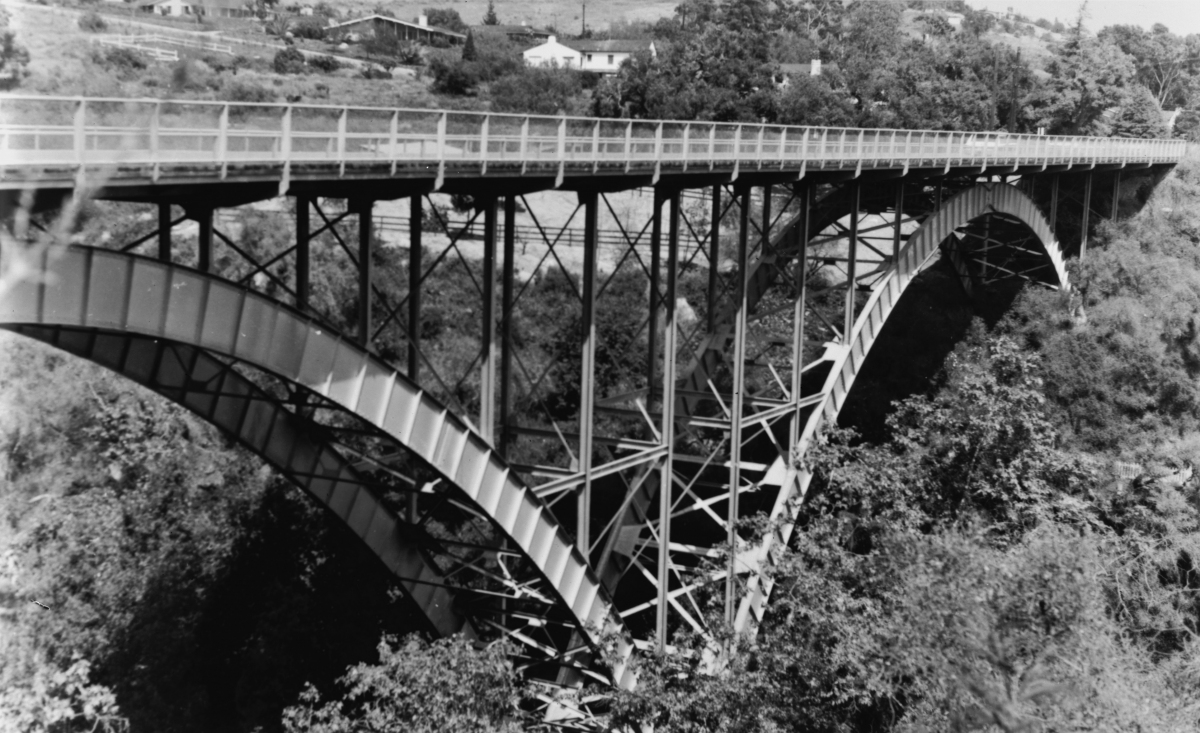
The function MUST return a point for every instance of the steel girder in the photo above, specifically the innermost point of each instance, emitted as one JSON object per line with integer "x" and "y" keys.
{"x": 556, "y": 612}
{"x": 955, "y": 214}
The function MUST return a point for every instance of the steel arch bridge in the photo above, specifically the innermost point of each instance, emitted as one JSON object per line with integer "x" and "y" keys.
{"x": 500, "y": 517}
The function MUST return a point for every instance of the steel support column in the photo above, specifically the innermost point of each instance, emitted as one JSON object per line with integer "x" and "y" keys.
{"x": 714, "y": 257}
{"x": 487, "y": 371}
{"x": 667, "y": 471}
{"x": 364, "y": 272}
{"x": 1054, "y": 204}
{"x": 302, "y": 259}
{"x": 800, "y": 278}
{"x": 164, "y": 231}
{"x": 1087, "y": 210}
{"x": 204, "y": 218}
{"x": 655, "y": 276}
{"x": 738, "y": 400}
{"x": 852, "y": 264}
{"x": 506, "y": 317}
{"x": 414, "y": 288}
{"x": 1116, "y": 197}
{"x": 587, "y": 388}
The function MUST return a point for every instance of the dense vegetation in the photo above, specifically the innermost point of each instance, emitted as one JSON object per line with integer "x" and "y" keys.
{"x": 969, "y": 563}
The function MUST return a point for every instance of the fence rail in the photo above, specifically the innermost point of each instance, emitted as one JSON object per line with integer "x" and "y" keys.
{"x": 149, "y": 42}
{"x": 37, "y": 130}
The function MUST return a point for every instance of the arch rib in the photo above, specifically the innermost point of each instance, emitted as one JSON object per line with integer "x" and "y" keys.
{"x": 107, "y": 292}
{"x": 921, "y": 247}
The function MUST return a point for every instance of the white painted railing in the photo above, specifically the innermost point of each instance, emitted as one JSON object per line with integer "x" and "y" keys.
{"x": 38, "y": 130}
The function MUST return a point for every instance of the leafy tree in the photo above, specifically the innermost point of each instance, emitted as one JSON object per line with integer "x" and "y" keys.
{"x": 14, "y": 60}
{"x": 1140, "y": 116}
{"x": 811, "y": 100}
{"x": 61, "y": 701}
{"x": 447, "y": 18}
{"x": 537, "y": 90}
{"x": 418, "y": 686}
{"x": 1090, "y": 79}
{"x": 490, "y": 18}
{"x": 1164, "y": 61}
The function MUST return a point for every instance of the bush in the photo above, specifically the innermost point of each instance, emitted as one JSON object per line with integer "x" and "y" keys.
{"x": 374, "y": 72}
{"x": 310, "y": 28}
{"x": 248, "y": 92}
{"x": 538, "y": 90}
{"x": 289, "y": 61}
{"x": 14, "y": 61}
{"x": 457, "y": 78}
{"x": 326, "y": 64}
{"x": 92, "y": 22}
{"x": 124, "y": 63}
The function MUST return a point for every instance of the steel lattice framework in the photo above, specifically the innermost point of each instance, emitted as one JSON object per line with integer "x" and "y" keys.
{"x": 766, "y": 265}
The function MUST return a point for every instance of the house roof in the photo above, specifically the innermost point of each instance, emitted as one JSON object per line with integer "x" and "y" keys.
{"x": 397, "y": 21}
{"x": 613, "y": 46}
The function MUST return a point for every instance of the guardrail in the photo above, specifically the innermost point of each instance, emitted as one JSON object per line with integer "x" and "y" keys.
{"x": 64, "y": 130}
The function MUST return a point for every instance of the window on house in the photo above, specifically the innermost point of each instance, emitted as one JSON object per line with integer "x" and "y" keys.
{"x": 589, "y": 58}
{"x": 610, "y": 59}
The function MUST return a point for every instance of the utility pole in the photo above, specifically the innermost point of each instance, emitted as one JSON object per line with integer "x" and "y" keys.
{"x": 583, "y": 23}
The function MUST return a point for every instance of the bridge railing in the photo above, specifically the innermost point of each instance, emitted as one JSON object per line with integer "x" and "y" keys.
{"x": 65, "y": 130}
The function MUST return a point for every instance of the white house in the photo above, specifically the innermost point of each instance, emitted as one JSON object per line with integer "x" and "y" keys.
{"x": 167, "y": 7}
{"x": 605, "y": 57}
{"x": 553, "y": 53}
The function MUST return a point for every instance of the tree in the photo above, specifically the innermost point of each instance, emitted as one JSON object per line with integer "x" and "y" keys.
{"x": 14, "y": 61}
{"x": 489, "y": 18}
{"x": 1140, "y": 116}
{"x": 390, "y": 51}
{"x": 447, "y": 18}
{"x": 1164, "y": 61}
{"x": 418, "y": 686}
{"x": 1089, "y": 80}
{"x": 468, "y": 52}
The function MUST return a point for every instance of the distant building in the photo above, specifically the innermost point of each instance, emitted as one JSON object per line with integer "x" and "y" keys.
{"x": 605, "y": 57}
{"x": 955, "y": 20}
{"x": 553, "y": 53}
{"x": 210, "y": 8}
{"x": 375, "y": 25}
{"x": 522, "y": 34}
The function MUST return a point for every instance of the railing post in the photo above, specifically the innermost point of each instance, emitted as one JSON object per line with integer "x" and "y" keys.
{"x": 155, "y": 121}
{"x": 562, "y": 150}
{"x": 285, "y": 129}
{"x": 524, "y": 144}
{"x": 628, "y": 145}
{"x": 483, "y": 143}
{"x": 394, "y": 139}
{"x": 712, "y": 145}
{"x": 687, "y": 143}
{"x": 81, "y": 132}
{"x": 223, "y": 140}
{"x": 596, "y": 147}
{"x": 782, "y": 147}
{"x": 737, "y": 151}
{"x": 762, "y": 131}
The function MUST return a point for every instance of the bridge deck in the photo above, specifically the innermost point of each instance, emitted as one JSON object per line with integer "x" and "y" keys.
{"x": 46, "y": 141}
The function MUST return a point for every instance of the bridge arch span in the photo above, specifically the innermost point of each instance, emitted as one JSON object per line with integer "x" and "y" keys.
{"x": 923, "y": 245}
{"x": 174, "y": 329}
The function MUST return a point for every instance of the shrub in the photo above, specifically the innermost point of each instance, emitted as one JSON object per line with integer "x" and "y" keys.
{"x": 248, "y": 92}
{"x": 374, "y": 72}
{"x": 537, "y": 90}
{"x": 289, "y": 61}
{"x": 92, "y": 22}
{"x": 457, "y": 78}
{"x": 310, "y": 28}
{"x": 326, "y": 64}
{"x": 124, "y": 63}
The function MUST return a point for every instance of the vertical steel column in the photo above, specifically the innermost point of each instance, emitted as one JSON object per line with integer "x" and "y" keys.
{"x": 896, "y": 233}
{"x": 164, "y": 231}
{"x": 714, "y": 255}
{"x": 738, "y": 401}
{"x": 1054, "y": 205}
{"x": 587, "y": 396}
{"x": 302, "y": 261}
{"x": 487, "y": 370}
{"x": 766, "y": 220}
{"x": 667, "y": 473}
{"x": 1087, "y": 210}
{"x": 205, "y": 219}
{"x": 655, "y": 275}
{"x": 506, "y": 317}
{"x": 364, "y": 272}
{"x": 852, "y": 265}
{"x": 800, "y": 277}
{"x": 1116, "y": 197}
{"x": 414, "y": 288}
